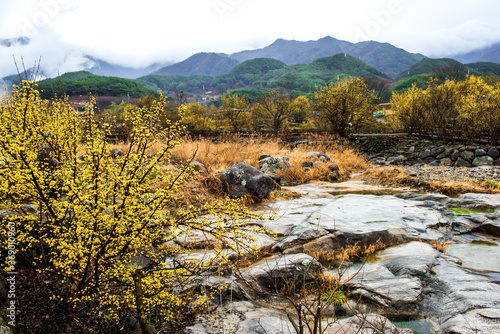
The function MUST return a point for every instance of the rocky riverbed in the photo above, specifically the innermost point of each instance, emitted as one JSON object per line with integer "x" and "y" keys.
{"x": 410, "y": 283}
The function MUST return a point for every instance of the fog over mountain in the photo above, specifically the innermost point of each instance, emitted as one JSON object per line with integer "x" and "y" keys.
{"x": 67, "y": 58}
{"x": 74, "y": 34}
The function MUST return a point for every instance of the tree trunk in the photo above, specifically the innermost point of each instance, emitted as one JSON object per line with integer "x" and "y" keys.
{"x": 139, "y": 300}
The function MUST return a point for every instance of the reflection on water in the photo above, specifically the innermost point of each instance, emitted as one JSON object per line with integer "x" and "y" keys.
{"x": 375, "y": 192}
{"x": 419, "y": 326}
{"x": 479, "y": 255}
{"x": 464, "y": 212}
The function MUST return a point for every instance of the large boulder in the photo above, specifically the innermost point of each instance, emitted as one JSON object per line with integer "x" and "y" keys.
{"x": 242, "y": 179}
{"x": 447, "y": 153}
{"x": 424, "y": 154}
{"x": 436, "y": 151}
{"x": 460, "y": 162}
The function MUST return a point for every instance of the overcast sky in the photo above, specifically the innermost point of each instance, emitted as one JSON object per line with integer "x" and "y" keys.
{"x": 140, "y": 32}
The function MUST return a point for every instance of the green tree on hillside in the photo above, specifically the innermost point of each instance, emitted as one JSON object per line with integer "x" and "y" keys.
{"x": 346, "y": 105}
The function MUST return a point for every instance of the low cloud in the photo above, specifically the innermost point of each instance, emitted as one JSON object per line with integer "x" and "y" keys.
{"x": 56, "y": 56}
{"x": 64, "y": 32}
{"x": 466, "y": 37}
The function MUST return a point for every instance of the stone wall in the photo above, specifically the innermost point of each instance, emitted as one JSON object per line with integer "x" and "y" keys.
{"x": 411, "y": 150}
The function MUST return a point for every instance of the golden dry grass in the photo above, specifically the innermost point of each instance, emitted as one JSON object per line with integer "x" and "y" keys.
{"x": 440, "y": 245}
{"x": 347, "y": 253}
{"x": 223, "y": 152}
{"x": 218, "y": 155}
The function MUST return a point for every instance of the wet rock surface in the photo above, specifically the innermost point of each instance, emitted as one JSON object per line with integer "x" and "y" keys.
{"x": 244, "y": 317}
{"x": 456, "y": 289}
{"x": 458, "y": 299}
{"x": 357, "y": 214}
{"x": 267, "y": 274}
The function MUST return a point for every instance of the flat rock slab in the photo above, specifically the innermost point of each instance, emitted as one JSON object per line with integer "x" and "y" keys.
{"x": 199, "y": 239}
{"x": 242, "y": 317}
{"x": 319, "y": 189}
{"x": 478, "y": 256}
{"x": 364, "y": 324}
{"x": 357, "y": 214}
{"x": 462, "y": 301}
{"x": 413, "y": 259}
{"x": 476, "y": 201}
{"x": 390, "y": 293}
{"x": 392, "y": 284}
{"x": 265, "y": 321}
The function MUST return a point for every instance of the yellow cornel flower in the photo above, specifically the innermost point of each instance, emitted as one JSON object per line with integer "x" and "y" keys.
{"x": 94, "y": 212}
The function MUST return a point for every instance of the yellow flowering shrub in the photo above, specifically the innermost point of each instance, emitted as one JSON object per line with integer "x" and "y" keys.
{"x": 96, "y": 212}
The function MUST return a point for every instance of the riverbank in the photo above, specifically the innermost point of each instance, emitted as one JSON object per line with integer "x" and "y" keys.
{"x": 451, "y": 181}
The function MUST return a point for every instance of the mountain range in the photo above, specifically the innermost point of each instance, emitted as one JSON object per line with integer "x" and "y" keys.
{"x": 382, "y": 56}
{"x": 288, "y": 64}
{"x": 385, "y": 57}
{"x": 101, "y": 67}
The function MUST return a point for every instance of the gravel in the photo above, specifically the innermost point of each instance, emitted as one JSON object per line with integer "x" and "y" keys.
{"x": 454, "y": 174}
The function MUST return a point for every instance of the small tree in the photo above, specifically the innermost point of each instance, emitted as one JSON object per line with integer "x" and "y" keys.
{"x": 410, "y": 109}
{"x": 301, "y": 109}
{"x": 345, "y": 105}
{"x": 273, "y": 110}
{"x": 236, "y": 111}
{"x": 479, "y": 109}
{"x": 96, "y": 212}
{"x": 199, "y": 118}
{"x": 441, "y": 108}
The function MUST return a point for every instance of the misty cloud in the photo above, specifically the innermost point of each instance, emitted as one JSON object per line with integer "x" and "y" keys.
{"x": 138, "y": 34}
{"x": 56, "y": 56}
{"x": 463, "y": 38}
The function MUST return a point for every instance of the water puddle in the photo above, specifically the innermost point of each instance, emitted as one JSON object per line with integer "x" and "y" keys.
{"x": 468, "y": 212}
{"x": 419, "y": 326}
{"x": 484, "y": 242}
{"x": 477, "y": 255}
{"x": 375, "y": 192}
